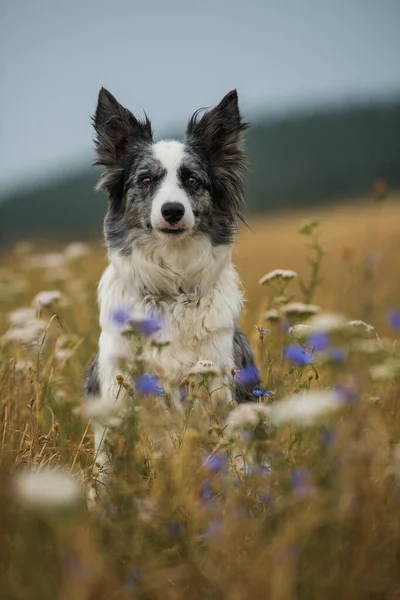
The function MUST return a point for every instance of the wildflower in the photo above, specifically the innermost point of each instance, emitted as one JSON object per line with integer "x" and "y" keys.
{"x": 394, "y": 319}
{"x": 215, "y": 462}
{"x": 246, "y": 414}
{"x": 309, "y": 226}
{"x": 47, "y": 488}
{"x": 359, "y": 325}
{"x": 272, "y": 315}
{"x": 76, "y": 250}
{"x": 305, "y": 408}
{"x": 206, "y": 493}
{"x": 277, "y": 274}
{"x": 328, "y": 322}
{"x": 206, "y": 367}
{"x": 318, "y": 341}
{"x": 121, "y": 316}
{"x": 300, "y": 331}
{"x": 387, "y": 370}
{"x": 300, "y": 481}
{"x": 147, "y": 326}
{"x": 45, "y": 261}
{"x": 327, "y": 437}
{"x": 261, "y": 331}
{"x": 20, "y": 316}
{"x": 336, "y": 355}
{"x": 46, "y": 299}
{"x": 256, "y": 470}
{"x": 248, "y": 376}
{"x": 30, "y": 333}
{"x": 299, "y": 308}
{"x": 297, "y": 355}
{"x": 105, "y": 410}
{"x": 260, "y": 393}
{"x": 147, "y": 385}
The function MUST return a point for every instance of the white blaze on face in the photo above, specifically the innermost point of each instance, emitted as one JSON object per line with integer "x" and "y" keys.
{"x": 170, "y": 154}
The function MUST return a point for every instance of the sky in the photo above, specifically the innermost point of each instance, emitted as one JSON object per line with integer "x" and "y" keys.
{"x": 170, "y": 57}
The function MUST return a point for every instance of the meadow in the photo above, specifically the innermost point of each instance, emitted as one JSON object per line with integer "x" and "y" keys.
{"x": 293, "y": 497}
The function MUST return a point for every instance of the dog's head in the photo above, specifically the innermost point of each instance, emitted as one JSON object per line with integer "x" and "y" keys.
{"x": 170, "y": 189}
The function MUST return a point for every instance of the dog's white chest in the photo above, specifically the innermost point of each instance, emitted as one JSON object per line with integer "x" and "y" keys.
{"x": 198, "y": 316}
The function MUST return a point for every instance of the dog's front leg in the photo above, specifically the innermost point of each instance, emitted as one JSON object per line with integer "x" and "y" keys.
{"x": 106, "y": 396}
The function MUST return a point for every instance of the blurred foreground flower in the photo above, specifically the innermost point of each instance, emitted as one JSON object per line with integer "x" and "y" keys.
{"x": 247, "y": 377}
{"x": 47, "y": 299}
{"x": 30, "y": 333}
{"x": 277, "y": 274}
{"x": 299, "y": 308}
{"x": 305, "y": 408}
{"x": 47, "y": 488}
{"x": 20, "y": 316}
{"x": 76, "y": 250}
{"x": 52, "y": 260}
{"x": 204, "y": 367}
{"x": 297, "y": 355}
{"x": 394, "y": 319}
{"x": 147, "y": 385}
{"x": 328, "y": 322}
{"x": 145, "y": 325}
{"x": 247, "y": 414}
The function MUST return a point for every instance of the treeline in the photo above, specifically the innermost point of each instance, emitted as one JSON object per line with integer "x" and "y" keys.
{"x": 311, "y": 158}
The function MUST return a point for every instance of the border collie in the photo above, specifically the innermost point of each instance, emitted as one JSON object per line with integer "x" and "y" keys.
{"x": 172, "y": 218}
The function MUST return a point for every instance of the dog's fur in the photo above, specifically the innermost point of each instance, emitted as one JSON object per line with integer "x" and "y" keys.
{"x": 182, "y": 270}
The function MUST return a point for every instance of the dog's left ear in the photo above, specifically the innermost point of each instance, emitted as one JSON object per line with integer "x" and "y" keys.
{"x": 219, "y": 132}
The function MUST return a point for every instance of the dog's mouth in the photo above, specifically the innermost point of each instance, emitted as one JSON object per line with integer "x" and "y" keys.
{"x": 172, "y": 232}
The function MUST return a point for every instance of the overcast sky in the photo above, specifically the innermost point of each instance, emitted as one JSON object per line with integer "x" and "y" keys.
{"x": 170, "y": 57}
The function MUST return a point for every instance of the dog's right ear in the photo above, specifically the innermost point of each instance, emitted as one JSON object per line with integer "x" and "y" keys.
{"x": 117, "y": 130}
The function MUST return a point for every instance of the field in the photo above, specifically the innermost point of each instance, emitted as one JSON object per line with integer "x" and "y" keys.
{"x": 293, "y": 497}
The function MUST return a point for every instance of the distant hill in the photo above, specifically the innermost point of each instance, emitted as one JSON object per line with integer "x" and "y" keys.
{"x": 302, "y": 159}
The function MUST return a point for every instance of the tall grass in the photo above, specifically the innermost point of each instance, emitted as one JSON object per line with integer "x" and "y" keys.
{"x": 296, "y": 496}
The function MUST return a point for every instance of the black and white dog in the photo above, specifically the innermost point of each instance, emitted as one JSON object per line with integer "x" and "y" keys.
{"x": 172, "y": 217}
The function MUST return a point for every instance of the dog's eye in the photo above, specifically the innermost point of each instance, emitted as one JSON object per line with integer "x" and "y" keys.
{"x": 146, "y": 181}
{"x": 192, "y": 180}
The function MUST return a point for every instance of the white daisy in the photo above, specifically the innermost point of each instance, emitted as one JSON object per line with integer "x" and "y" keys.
{"x": 47, "y": 298}
{"x": 47, "y": 488}
{"x": 305, "y": 408}
{"x": 286, "y": 274}
{"x": 20, "y": 316}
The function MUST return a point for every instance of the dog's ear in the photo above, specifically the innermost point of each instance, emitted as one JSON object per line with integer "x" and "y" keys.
{"x": 219, "y": 132}
{"x": 117, "y": 130}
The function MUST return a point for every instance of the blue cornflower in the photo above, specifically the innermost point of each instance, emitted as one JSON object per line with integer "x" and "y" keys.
{"x": 346, "y": 394}
{"x": 133, "y": 578}
{"x": 258, "y": 470}
{"x": 261, "y": 330}
{"x": 297, "y": 355}
{"x": 299, "y": 479}
{"x": 318, "y": 341}
{"x": 260, "y": 393}
{"x": 215, "y": 463}
{"x": 327, "y": 437}
{"x": 147, "y": 385}
{"x": 394, "y": 319}
{"x": 336, "y": 355}
{"x": 206, "y": 492}
{"x": 248, "y": 376}
{"x": 121, "y": 316}
{"x": 147, "y": 326}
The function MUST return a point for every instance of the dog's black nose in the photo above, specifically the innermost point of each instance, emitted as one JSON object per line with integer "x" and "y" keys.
{"x": 172, "y": 212}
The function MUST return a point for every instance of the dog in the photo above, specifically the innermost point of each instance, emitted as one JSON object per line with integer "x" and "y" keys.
{"x": 173, "y": 214}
